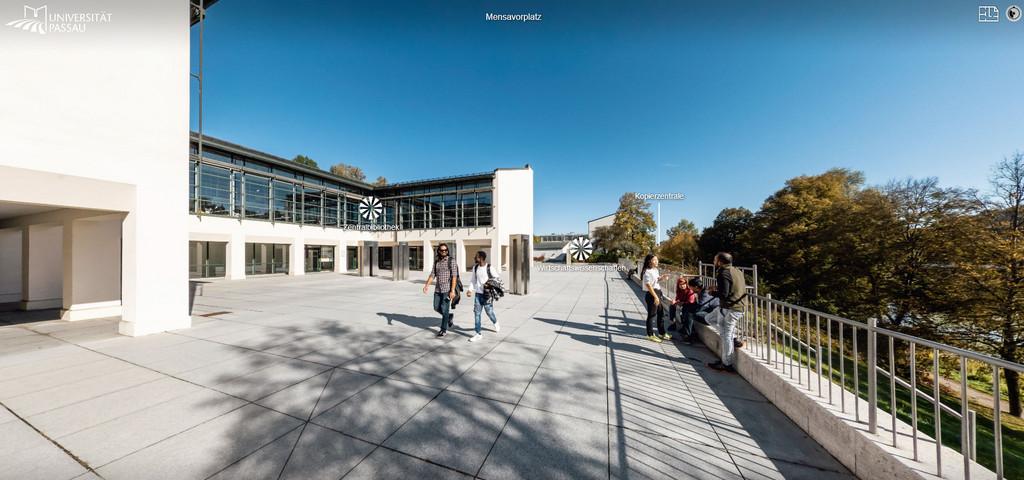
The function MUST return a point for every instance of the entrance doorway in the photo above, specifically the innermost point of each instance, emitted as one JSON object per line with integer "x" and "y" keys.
{"x": 353, "y": 259}
{"x": 319, "y": 258}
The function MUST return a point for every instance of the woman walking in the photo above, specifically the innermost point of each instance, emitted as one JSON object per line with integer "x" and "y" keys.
{"x": 650, "y": 276}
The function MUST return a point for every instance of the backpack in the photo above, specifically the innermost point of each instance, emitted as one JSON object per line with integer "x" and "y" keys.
{"x": 458, "y": 283}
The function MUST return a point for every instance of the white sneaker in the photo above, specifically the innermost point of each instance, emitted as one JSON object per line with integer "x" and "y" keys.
{"x": 497, "y": 328}
{"x": 476, "y": 337}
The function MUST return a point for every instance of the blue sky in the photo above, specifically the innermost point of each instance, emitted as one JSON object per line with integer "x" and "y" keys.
{"x": 720, "y": 102}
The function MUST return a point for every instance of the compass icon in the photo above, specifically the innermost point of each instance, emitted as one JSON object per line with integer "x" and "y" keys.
{"x": 580, "y": 248}
{"x": 370, "y": 208}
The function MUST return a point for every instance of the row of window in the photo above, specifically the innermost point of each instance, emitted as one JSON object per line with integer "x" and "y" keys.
{"x": 215, "y": 190}
{"x": 258, "y": 166}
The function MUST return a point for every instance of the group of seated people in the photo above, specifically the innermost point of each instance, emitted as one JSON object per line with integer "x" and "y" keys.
{"x": 692, "y": 303}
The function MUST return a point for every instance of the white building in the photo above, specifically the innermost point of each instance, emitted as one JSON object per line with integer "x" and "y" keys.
{"x": 94, "y": 142}
{"x": 253, "y": 213}
{"x": 605, "y": 221}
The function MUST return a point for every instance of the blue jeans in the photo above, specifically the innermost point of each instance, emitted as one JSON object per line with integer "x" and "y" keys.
{"x": 480, "y": 303}
{"x": 443, "y": 306}
{"x": 727, "y": 321}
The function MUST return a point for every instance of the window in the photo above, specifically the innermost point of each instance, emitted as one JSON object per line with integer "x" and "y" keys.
{"x": 207, "y": 259}
{"x": 405, "y": 213}
{"x": 331, "y": 209}
{"x": 484, "y": 208}
{"x": 236, "y": 194}
{"x": 312, "y": 205}
{"x": 216, "y": 155}
{"x": 257, "y": 197}
{"x": 214, "y": 190}
{"x": 264, "y": 258}
{"x": 434, "y": 205}
{"x": 284, "y": 202}
{"x": 468, "y": 201}
{"x": 351, "y": 211}
{"x": 192, "y": 169}
{"x": 449, "y": 202}
{"x": 419, "y": 208}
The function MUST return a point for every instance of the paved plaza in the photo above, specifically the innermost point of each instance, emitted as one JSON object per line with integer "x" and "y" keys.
{"x": 333, "y": 376}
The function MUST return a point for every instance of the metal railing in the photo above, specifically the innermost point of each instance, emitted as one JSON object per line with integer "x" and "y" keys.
{"x": 807, "y": 345}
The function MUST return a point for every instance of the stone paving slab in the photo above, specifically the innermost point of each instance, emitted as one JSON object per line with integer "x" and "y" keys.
{"x": 336, "y": 376}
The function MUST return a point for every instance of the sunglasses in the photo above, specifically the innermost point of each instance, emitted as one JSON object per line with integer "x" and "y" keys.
{"x": 443, "y": 250}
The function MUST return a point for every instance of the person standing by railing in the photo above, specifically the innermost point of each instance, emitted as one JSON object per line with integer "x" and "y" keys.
{"x": 651, "y": 278}
{"x": 731, "y": 291}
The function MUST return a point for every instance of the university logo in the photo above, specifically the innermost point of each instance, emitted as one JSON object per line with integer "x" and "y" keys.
{"x": 580, "y": 248}
{"x": 370, "y": 208}
{"x": 36, "y": 23}
{"x": 43, "y": 20}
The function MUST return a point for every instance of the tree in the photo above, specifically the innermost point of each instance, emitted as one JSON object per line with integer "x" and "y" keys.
{"x": 380, "y": 182}
{"x": 632, "y": 233}
{"x": 724, "y": 233}
{"x": 304, "y": 160}
{"x": 635, "y": 224}
{"x": 680, "y": 248}
{"x": 348, "y": 171}
{"x": 684, "y": 225}
{"x": 998, "y": 307}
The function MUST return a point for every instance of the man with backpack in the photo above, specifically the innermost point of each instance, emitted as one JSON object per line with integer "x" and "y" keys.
{"x": 446, "y": 271}
{"x": 484, "y": 287}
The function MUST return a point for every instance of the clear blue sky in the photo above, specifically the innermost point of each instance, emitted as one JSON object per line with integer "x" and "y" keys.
{"x": 722, "y": 102}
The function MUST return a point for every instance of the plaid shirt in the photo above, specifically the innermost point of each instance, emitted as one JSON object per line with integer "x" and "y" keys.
{"x": 442, "y": 273}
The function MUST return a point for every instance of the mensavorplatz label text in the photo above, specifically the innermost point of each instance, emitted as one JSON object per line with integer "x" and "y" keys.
{"x": 513, "y": 17}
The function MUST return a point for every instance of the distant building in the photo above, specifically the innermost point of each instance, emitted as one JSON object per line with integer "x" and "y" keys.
{"x": 553, "y": 247}
{"x": 605, "y": 221}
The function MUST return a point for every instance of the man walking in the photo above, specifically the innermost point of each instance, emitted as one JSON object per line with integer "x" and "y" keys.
{"x": 731, "y": 292}
{"x": 446, "y": 272}
{"x": 482, "y": 298}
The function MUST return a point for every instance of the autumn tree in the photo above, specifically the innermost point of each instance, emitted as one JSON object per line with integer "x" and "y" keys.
{"x": 380, "y": 182}
{"x": 348, "y": 171}
{"x": 632, "y": 233}
{"x": 680, "y": 246}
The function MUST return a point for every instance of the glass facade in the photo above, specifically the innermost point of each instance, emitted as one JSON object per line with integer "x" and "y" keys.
{"x": 207, "y": 259}
{"x": 264, "y": 258}
{"x": 319, "y": 258}
{"x": 233, "y": 185}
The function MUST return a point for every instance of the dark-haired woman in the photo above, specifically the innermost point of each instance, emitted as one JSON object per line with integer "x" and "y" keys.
{"x": 650, "y": 278}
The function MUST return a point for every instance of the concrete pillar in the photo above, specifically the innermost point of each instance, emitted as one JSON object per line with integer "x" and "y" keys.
{"x": 495, "y": 256}
{"x": 92, "y": 268}
{"x": 460, "y": 254}
{"x": 297, "y": 257}
{"x": 42, "y": 265}
{"x": 341, "y": 256}
{"x": 10, "y": 258}
{"x": 235, "y": 257}
{"x": 428, "y": 257}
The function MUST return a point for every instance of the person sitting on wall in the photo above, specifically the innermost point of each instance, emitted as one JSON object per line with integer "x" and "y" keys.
{"x": 705, "y": 303}
{"x": 682, "y": 309}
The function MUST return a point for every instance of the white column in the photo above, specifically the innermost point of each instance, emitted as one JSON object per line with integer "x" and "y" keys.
{"x": 235, "y": 256}
{"x": 341, "y": 256}
{"x": 428, "y": 257}
{"x": 297, "y": 262}
{"x": 42, "y": 264}
{"x": 495, "y": 256}
{"x": 92, "y": 268}
{"x": 460, "y": 254}
{"x": 10, "y": 258}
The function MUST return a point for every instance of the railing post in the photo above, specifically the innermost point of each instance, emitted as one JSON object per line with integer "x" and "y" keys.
{"x": 872, "y": 376}
{"x": 771, "y": 331}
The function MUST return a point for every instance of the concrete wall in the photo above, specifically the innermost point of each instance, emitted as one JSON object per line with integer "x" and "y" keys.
{"x": 10, "y": 265}
{"x": 110, "y": 103}
{"x": 513, "y": 210}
